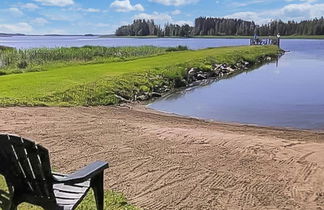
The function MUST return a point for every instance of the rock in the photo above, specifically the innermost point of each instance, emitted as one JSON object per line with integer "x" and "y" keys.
{"x": 156, "y": 95}
{"x": 166, "y": 90}
{"x": 226, "y": 70}
{"x": 122, "y": 98}
{"x": 184, "y": 81}
{"x": 201, "y": 76}
{"x": 142, "y": 97}
{"x": 229, "y": 69}
{"x": 268, "y": 58}
{"x": 246, "y": 63}
{"x": 192, "y": 71}
{"x": 212, "y": 74}
{"x": 216, "y": 66}
{"x": 216, "y": 71}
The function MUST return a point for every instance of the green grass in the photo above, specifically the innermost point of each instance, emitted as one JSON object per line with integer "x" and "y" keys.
{"x": 38, "y": 59}
{"x": 113, "y": 201}
{"x": 97, "y": 84}
{"x": 3, "y": 48}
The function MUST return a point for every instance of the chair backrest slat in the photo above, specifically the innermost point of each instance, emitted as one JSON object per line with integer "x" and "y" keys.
{"x": 27, "y": 166}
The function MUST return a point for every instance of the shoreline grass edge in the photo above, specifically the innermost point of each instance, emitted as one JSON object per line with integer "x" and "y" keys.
{"x": 111, "y": 83}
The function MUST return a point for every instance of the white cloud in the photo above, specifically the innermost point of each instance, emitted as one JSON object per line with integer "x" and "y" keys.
{"x": 183, "y": 22}
{"x": 300, "y": 11}
{"x": 104, "y": 25}
{"x": 93, "y": 10}
{"x": 175, "y": 2}
{"x": 56, "y": 31}
{"x": 30, "y": 6}
{"x": 156, "y": 16}
{"x": 80, "y": 9}
{"x": 307, "y": 1}
{"x": 247, "y": 3}
{"x": 15, "y": 11}
{"x": 39, "y": 21}
{"x": 296, "y": 12}
{"x": 59, "y": 3}
{"x": 176, "y": 12}
{"x": 16, "y": 28}
{"x": 65, "y": 15}
{"x": 126, "y": 6}
{"x": 251, "y": 16}
{"x": 161, "y": 18}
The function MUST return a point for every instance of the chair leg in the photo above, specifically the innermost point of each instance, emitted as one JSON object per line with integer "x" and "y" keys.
{"x": 13, "y": 204}
{"x": 14, "y": 198}
{"x": 97, "y": 184}
{"x": 13, "y": 207}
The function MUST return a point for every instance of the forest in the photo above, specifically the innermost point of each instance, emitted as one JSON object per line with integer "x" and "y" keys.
{"x": 209, "y": 26}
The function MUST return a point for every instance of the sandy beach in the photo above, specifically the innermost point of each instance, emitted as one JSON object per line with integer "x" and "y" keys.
{"x": 163, "y": 161}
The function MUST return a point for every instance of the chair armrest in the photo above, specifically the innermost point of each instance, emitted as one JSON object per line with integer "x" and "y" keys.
{"x": 83, "y": 174}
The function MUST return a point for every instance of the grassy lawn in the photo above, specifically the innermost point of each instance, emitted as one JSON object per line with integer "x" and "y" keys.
{"x": 97, "y": 84}
{"x": 113, "y": 201}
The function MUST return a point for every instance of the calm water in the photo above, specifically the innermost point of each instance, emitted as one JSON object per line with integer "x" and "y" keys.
{"x": 288, "y": 95}
{"x": 78, "y": 41}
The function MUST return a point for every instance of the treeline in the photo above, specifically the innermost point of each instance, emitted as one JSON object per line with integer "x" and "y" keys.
{"x": 222, "y": 27}
{"x": 149, "y": 28}
{"x": 207, "y": 26}
{"x": 306, "y": 27}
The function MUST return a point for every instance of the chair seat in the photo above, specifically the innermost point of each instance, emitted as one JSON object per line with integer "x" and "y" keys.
{"x": 68, "y": 196}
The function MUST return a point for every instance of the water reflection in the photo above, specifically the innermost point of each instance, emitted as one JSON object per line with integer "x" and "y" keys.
{"x": 288, "y": 93}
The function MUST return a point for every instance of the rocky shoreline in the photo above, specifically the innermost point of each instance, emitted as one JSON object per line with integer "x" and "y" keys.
{"x": 196, "y": 76}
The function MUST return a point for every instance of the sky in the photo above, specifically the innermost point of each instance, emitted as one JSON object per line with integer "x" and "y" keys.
{"x": 104, "y": 17}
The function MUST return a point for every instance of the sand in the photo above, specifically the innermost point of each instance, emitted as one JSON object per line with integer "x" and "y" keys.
{"x": 162, "y": 161}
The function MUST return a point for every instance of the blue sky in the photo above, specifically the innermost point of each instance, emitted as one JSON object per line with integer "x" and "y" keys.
{"x": 103, "y": 16}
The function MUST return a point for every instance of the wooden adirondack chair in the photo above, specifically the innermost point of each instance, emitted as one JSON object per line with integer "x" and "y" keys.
{"x": 26, "y": 168}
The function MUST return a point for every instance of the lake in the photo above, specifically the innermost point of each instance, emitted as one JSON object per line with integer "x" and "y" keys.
{"x": 25, "y": 42}
{"x": 289, "y": 93}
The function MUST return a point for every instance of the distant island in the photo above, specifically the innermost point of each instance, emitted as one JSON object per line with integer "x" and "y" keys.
{"x": 208, "y": 26}
{"x": 19, "y": 34}
{"x": 7, "y": 34}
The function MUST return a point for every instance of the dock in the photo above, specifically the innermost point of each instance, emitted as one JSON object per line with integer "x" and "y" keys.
{"x": 265, "y": 41}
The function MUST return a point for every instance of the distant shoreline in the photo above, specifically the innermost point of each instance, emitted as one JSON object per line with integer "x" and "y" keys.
{"x": 214, "y": 37}
{"x": 171, "y": 37}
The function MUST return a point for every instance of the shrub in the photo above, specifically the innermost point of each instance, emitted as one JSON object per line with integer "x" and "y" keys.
{"x": 178, "y": 48}
{"x": 22, "y": 64}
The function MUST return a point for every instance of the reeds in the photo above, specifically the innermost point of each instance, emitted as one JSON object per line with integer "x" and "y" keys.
{"x": 25, "y": 58}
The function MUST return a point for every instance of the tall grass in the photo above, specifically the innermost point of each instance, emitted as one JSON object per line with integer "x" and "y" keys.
{"x": 2, "y": 48}
{"x": 16, "y": 60}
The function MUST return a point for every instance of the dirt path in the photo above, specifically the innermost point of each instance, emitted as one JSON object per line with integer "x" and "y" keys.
{"x": 168, "y": 162}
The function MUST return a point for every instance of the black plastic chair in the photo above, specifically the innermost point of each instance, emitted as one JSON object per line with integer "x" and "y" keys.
{"x": 26, "y": 168}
